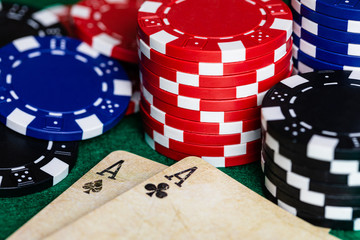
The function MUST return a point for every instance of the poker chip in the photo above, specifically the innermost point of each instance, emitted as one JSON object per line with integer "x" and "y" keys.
{"x": 301, "y": 57}
{"x": 324, "y": 55}
{"x": 215, "y": 69}
{"x": 108, "y": 26}
{"x": 311, "y": 157}
{"x": 241, "y": 91}
{"x": 200, "y": 116}
{"x": 205, "y": 150}
{"x": 329, "y": 212}
{"x": 307, "y": 63}
{"x": 326, "y": 32}
{"x": 328, "y": 45}
{"x": 201, "y": 86}
{"x": 18, "y": 21}
{"x": 30, "y": 165}
{"x": 338, "y": 171}
{"x": 200, "y": 127}
{"x": 198, "y": 104}
{"x": 317, "y": 64}
{"x": 330, "y": 207}
{"x": 286, "y": 167}
{"x": 182, "y": 29}
{"x": 306, "y": 133}
{"x": 287, "y": 158}
{"x": 346, "y": 10}
{"x": 327, "y": 19}
{"x": 316, "y": 220}
{"x": 325, "y": 40}
{"x": 319, "y": 189}
{"x": 79, "y": 95}
{"x": 197, "y": 138}
{"x": 215, "y": 161}
{"x": 216, "y": 81}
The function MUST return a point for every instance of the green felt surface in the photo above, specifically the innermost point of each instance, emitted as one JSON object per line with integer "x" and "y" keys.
{"x": 127, "y": 136}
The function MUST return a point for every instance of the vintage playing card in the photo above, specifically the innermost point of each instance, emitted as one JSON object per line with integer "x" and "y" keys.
{"x": 114, "y": 175}
{"x": 190, "y": 200}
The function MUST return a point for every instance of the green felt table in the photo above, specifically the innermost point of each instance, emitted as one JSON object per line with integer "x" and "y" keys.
{"x": 127, "y": 136}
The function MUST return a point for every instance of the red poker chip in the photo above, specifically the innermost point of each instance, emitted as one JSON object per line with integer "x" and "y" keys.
{"x": 204, "y": 150}
{"x": 201, "y": 116}
{"x": 215, "y": 161}
{"x": 214, "y": 31}
{"x": 216, "y": 81}
{"x": 108, "y": 26}
{"x": 197, "y": 104}
{"x": 197, "y": 138}
{"x": 201, "y": 127}
{"x": 240, "y": 91}
{"x": 215, "y": 69}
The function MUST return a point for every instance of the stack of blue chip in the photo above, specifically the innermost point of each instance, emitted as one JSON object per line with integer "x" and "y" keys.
{"x": 326, "y": 35}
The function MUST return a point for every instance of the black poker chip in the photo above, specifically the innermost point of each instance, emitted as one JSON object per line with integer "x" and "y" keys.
{"x": 335, "y": 166}
{"x": 311, "y": 147}
{"x": 316, "y": 114}
{"x": 304, "y": 167}
{"x": 29, "y": 165}
{"x": 349, "y": 225}
{"x": 17, "y": 20}
{"x": 330, "y": 212}
{"x": 308, "y": 195}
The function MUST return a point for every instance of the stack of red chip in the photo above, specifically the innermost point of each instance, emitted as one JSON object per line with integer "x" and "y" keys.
{"x": 109, "y": 26}
{"x": 205, "y": 67}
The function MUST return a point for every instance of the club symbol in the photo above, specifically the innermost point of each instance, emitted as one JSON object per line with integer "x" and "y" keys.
{"x": 95, "y": 186}
{"x": 159, "y": 190}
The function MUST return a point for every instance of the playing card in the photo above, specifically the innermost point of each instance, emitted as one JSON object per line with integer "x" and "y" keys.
{"x": 115, "y": 174}
{"x": 190, "y": 200}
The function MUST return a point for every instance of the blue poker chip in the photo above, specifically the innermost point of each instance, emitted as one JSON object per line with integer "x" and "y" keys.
{"x": 321, "y": 54}
{"x": 325, "y": 20}
{"x": 298, "y": 66}
{"x": 332, "y": 46}
{"x": 325, "y": 32}
{"x": 60, "y": 89}
{"x": 348, "y": 9}
{"x": 312, "y": 64}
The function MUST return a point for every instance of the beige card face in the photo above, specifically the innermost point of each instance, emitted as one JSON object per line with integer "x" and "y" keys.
{"x": 190, "y": 200}
{"x": 115, "y": 174}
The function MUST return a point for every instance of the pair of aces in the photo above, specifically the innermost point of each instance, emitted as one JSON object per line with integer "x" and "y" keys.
{"x": 126, "y": 196}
